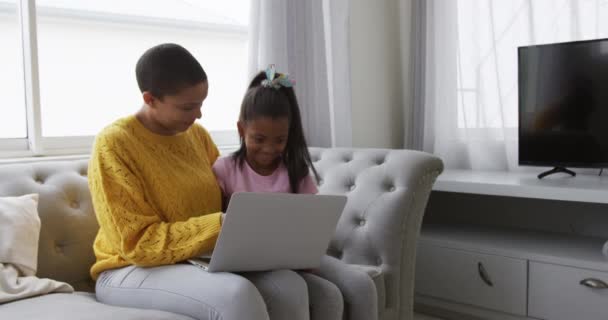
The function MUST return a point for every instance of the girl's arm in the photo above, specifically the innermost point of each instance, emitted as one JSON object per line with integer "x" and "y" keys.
{"x": 307, "y": 185}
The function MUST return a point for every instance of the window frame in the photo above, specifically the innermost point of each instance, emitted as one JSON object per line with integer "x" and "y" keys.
{"x": 35, "y": 145}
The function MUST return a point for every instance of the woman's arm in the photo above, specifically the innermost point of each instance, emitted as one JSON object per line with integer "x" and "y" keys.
{"x": 131, "y": 226}
{"x": 221, "y": 174}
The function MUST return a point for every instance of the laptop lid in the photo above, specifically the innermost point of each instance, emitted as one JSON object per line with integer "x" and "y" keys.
{"x": 269, "y": 231}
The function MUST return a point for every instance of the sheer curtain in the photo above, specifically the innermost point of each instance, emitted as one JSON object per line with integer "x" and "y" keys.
{"x": 465, "y": 63}
{"x": 309, "y": 40}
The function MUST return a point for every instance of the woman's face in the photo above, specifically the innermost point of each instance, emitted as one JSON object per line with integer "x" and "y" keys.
{"x": 176, "y": 113}
{"x": 265, "y": 140}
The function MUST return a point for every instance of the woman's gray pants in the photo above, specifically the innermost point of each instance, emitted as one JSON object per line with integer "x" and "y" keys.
{"x": 188, "y": 290}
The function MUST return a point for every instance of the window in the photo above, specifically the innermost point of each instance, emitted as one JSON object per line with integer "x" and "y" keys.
{"x": 489, "y": 33}
{"x": 12, "y": 122}
{"x": 86, "y": 55}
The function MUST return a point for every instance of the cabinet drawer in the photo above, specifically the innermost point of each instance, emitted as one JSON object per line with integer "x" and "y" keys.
{"x": 458, "y": 276}
{"x": 557, "y": 294}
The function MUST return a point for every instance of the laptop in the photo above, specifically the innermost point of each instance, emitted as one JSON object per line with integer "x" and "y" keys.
{"x": 270, "y": 231}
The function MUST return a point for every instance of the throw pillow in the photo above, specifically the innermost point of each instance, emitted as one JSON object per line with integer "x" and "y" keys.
{"x": 19, "y": 232}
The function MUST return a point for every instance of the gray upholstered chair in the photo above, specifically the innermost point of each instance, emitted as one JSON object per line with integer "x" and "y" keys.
{"x": 387, "y": 194}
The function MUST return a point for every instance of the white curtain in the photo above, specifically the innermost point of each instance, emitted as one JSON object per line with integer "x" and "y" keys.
{"x": 465, "y": 65}
{"x": 309, "y": 41}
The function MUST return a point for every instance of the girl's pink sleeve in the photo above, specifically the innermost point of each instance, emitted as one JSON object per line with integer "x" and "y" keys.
{"x": 307, "y": 185}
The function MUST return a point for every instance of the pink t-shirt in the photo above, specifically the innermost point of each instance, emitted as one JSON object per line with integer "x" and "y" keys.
{"x": 234, "y": 178}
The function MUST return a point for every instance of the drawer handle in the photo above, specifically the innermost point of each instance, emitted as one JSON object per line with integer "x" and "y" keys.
{"x": 484, "y": 274}
{"x": 594, "y": 283}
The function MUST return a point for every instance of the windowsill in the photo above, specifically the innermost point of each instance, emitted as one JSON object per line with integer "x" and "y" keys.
{"x": 43, "y": 158}
{"x": 224, "y": 150}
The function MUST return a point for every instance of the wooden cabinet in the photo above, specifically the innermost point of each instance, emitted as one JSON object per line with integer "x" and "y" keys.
{"x": 482, "y": 280}
{"x": 502, "y": 231}
{"x": 496, "y": 273}
{"x": 566, "y": 293}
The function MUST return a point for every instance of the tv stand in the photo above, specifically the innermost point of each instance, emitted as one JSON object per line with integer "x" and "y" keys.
{"x": 529, "y": 237}
{"x": 556, "y": 170}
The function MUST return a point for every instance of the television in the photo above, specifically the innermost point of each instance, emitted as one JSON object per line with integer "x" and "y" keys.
{"x": 563, "y": 105}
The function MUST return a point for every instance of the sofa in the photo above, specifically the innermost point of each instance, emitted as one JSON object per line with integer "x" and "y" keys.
{"x": 387, "y": 194}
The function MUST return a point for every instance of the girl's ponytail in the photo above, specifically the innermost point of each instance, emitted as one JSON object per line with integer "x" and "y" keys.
{"x": 297, "y": 157}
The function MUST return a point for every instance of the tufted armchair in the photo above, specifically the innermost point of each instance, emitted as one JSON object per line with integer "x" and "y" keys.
{"x": 387, "y": 193}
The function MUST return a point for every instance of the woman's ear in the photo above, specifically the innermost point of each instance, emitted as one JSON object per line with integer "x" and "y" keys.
{"x": 241, "y": 127}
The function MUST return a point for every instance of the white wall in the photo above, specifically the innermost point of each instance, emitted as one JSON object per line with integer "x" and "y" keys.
{"x": 379, "y": 71}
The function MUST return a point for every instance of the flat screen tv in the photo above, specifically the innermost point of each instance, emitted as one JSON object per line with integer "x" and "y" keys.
{"x": 563, "y": 105}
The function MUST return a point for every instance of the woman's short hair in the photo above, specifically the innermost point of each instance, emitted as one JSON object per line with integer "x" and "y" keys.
{"x": 166, "y": 69}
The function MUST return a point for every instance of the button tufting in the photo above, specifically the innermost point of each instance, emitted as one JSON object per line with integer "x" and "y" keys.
{"x": 361, "y": 222}
{"x": 320, "y": 182}
{"x": 392, "y": 188}
{"x": 74, "y": 205}
{"x": 351, "y": 187}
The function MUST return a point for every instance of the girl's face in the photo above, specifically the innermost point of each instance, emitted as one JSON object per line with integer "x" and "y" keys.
{"x": 265, "y": 140}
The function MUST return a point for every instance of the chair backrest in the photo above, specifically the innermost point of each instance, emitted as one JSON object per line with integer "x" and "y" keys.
{"x": 387, "y": 194}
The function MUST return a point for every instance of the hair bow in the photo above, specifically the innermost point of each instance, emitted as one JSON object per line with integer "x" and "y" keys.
{"x": 281, "y": 81}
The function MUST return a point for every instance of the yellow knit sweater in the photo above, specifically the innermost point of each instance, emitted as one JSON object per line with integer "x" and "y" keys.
{"x": 156, "y": 199}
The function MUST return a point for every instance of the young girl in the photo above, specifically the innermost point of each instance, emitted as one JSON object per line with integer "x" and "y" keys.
{"x": 274, "y": 157}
